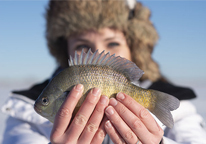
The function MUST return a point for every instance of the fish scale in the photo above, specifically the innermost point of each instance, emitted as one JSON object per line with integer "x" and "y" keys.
{"x": 112, "y": 75}
{"x": 104, "y": 80}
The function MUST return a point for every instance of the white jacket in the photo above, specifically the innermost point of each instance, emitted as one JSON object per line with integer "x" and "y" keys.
{"x": 25, "y": 126}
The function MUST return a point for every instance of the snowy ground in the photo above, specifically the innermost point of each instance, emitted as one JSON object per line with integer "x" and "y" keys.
{"x": 5, "y": 87}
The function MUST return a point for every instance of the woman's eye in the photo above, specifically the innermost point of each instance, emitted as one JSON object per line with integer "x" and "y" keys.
{"x": 113, "y": 44}
{"x": 80, "y": 47}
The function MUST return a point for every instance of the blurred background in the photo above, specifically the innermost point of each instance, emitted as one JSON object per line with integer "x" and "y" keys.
{"x": 180, "y": 52}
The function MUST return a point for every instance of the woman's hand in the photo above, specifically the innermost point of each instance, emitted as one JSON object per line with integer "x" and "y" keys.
{"x": 129, "y": 122}
{"x": 85, "y": 127}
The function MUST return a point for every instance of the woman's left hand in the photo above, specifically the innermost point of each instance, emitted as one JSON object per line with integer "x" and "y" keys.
{"x": 129, "y": 122}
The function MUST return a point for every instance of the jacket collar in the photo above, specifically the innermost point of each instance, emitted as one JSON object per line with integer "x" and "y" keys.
{"x": 182, "y": 93}
{"x": 36, "y": 89}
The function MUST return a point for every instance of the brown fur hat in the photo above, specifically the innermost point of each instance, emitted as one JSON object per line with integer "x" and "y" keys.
{"x": 72, "y": 17}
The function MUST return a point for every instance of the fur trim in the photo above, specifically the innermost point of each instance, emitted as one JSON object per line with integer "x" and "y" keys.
{"x": 68, "y": 18}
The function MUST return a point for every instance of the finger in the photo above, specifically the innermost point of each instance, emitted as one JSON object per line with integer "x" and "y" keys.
{"x": 126, "y": 133}
{"x": 113, "y": 134}
{"x": 141, "y": 112}
{"x": 101, "y": 133}
{"x": 94, "y": 121}
{"x": 64, "y": 114}
{"x": 132, "y": 121}
{"x": 83, "y": 114}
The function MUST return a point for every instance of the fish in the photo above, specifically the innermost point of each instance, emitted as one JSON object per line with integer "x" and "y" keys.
{"x": 112, "y": 74}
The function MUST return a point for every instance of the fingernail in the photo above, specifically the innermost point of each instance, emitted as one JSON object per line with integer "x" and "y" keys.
{"x": 113, "y": 102}
{"x": 96, "y": 91}
{"x": 79, "y": 87}
{"x": 104, "y": 99}
{"x": 144, "y": 113}
{"x": 108, "y": 124}
{"x": 120, "y": 96}
{"x": 109, "y": 110}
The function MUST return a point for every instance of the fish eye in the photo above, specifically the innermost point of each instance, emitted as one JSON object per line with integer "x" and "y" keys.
{"x": 45, "y": 101}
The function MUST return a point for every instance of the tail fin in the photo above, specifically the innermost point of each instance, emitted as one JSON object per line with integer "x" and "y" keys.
{"x": 164, "y": 104}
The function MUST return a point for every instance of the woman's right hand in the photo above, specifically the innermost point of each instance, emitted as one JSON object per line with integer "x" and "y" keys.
{"x": 85, "y": 127}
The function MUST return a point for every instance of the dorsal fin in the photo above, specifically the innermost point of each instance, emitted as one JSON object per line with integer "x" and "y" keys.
{"x": 122, "y": 65}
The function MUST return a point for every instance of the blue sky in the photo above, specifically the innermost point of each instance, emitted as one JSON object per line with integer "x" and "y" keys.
{"x": 180, "y": 51}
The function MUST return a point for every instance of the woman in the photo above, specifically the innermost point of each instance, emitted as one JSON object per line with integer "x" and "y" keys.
{"x": 120, "y": 27}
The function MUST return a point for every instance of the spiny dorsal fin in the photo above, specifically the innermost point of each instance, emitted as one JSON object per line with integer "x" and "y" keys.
{"x": 122, "y": 65}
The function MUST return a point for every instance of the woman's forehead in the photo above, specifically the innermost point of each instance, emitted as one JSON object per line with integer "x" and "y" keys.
{"x": 104, "y": 33}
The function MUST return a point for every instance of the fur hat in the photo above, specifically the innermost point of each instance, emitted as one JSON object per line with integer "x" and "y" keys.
{"x": 72, "y": 17}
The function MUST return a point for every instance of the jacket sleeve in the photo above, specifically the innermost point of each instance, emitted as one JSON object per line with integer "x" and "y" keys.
{"x": 24, "y": 125}
{"x": 21, "y": 132}
{"x": 189, "y": 127}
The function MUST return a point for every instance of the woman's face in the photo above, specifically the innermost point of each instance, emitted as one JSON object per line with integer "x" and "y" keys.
{"x": 112, "y": 41}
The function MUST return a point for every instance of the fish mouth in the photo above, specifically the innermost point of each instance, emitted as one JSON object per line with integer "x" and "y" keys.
{"x": 37, "y": 109}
